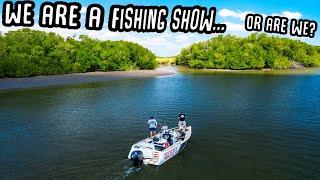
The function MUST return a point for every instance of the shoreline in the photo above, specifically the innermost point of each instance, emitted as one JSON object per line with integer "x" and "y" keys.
{"x": 7, "y": 84}
{"x": 300, "y": 71}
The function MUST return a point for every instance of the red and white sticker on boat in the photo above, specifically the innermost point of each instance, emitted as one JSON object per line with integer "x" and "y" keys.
{"x": 170, "y": 153}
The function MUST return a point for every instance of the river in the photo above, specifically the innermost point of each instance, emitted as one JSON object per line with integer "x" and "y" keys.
{"x": 245, "y": 126}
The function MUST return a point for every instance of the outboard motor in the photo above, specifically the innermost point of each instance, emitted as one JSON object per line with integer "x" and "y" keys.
{"x": 136, "y": 158}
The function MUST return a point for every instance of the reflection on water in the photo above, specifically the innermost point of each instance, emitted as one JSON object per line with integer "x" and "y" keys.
{"x": 244, "y": 126}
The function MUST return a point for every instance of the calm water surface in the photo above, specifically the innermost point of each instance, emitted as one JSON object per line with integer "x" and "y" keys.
{"x": 244, "y": 127}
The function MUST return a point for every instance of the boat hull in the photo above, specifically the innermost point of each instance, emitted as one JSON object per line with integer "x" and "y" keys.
{"x": 151, "y": 156}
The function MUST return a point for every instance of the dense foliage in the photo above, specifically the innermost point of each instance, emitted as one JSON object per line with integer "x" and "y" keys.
{"x": 257, "y": 51}
{"x": 25, "y": 53}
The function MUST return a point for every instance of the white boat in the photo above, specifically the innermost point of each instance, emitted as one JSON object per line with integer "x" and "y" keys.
{"x": 160, "y": 148}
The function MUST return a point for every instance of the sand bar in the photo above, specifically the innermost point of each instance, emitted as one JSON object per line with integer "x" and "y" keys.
{"x": 77, "y": 78}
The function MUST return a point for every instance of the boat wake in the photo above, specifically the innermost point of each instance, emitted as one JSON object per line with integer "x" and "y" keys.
{"x": 123, "y": 169}
{"x": 103, "y": 164}
{"x": 128, "y": 170}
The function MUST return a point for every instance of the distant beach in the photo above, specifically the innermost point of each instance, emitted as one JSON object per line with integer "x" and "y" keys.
{"x": 78, "y": 78}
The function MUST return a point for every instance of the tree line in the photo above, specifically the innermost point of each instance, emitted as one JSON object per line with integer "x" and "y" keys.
{"x": 26, "y": 53}
{"x": 257, "y": 51}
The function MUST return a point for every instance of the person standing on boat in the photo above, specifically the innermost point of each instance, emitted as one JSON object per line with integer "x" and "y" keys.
{"x": 182, "y": 120}
{"x": 152, "y": 123}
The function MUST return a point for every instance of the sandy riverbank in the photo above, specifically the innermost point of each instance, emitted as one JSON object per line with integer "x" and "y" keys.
{"x": 77, "y": 78}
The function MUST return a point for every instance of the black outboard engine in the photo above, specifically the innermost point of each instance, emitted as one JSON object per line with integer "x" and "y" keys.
{"x": 136, "y": 158}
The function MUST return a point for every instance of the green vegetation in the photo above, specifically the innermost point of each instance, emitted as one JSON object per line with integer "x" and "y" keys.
{"x": 166, "y": 60}
{"x": 25, "y": 53}
{"x": 257, "y": 51}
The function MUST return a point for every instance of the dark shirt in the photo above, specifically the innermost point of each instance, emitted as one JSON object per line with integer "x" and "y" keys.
{"x": 182, "y": 117}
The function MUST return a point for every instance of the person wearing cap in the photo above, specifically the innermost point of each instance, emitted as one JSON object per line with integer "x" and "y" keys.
{"x": 182, "y": 121}
{"x": 152, "y": 124}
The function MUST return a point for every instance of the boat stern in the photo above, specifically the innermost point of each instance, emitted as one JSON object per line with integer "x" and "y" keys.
{"x": 140, "y": 154}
